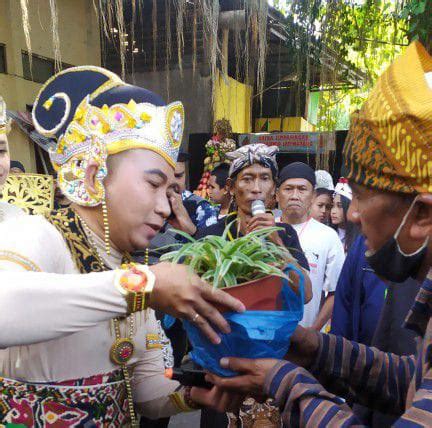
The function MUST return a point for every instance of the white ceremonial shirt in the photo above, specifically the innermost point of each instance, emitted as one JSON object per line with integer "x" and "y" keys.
{"x": 325, "y": 255}
{"x": 34, "y": 253}
{"x": 9, "y": 211}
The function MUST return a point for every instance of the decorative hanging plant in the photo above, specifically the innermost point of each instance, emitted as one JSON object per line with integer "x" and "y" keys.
{"x": 216, "y": 149}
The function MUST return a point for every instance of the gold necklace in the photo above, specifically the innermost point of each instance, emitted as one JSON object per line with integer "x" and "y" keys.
{"x": 123, "y": 347}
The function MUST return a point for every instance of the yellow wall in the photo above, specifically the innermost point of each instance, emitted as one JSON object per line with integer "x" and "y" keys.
{"x": 79, "y": 45}
{"x": 233, "y": 101}
{"x": 289, "y": 124}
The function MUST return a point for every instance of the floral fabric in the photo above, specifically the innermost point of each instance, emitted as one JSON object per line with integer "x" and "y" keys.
{"x": 98, "y": 401}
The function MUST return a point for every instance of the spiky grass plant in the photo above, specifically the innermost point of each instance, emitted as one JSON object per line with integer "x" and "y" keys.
{"x": 224, "y": 263}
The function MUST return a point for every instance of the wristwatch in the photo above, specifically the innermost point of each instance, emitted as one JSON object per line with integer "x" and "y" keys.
{"x": 136, "y": 283}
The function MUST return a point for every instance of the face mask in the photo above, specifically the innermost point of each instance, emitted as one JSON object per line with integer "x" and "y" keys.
{"x": 391, "y": 263}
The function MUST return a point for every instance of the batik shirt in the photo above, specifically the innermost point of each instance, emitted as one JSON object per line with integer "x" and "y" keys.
{"x": 399, "y": 385}
{"x": 201, "y": 211}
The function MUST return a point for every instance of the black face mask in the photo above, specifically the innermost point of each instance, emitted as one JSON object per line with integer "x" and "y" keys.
{"x": 391, "y": 263}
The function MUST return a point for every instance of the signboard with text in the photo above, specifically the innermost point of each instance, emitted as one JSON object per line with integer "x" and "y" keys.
{"x": 293, "y": 142}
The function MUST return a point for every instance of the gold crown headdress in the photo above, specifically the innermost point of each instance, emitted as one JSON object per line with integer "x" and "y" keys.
{"x": 88, "y": 132}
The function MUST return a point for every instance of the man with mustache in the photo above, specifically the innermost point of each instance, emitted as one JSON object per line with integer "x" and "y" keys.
{"x": 319, "y": 242}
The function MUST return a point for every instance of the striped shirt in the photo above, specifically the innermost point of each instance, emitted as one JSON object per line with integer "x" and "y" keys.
{"x": 400, "y": 385}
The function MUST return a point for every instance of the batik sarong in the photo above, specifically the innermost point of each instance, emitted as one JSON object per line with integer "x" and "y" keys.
{"x": 98, "y": 401}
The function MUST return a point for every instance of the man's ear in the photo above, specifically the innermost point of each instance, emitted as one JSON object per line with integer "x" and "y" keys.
{"x": 277, "y": 195}
{"x": 226, "y": 189}
{"x": 229, "y": 186}
{"x": 90, "y": 176}
{"x": 421, "y": 225}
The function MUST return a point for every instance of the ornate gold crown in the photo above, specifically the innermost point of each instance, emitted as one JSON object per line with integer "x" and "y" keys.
{"x": 122, "y": 127}
{"x": 94, "y": 133}
{"x": 85, "y": 132}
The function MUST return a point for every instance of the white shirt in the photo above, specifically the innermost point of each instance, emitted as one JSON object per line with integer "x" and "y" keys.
{"x": 9, "y": 211}
{"x": 342, "y": 235}
{"x": 33, "y": 252}
{"x": 325, "y": 255}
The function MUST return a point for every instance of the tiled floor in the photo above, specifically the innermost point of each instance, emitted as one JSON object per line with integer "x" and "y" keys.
{"x": 186, "y": 420}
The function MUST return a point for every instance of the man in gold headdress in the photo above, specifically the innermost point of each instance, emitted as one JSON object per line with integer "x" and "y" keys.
{"x": 388, "y": 160}
{"x": 117, "y": 146}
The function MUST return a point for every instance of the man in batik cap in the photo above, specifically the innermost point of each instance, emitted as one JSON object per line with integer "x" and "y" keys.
{"x": 117, "y": 146}
{"x": 253, "y": 176}
{"x": 388, "y": 161}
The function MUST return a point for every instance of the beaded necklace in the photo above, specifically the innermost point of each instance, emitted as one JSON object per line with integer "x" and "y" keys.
{"x": 123, "y": 347}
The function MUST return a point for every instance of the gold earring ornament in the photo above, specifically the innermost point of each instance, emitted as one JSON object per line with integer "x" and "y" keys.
{"x": 106, "y": 227}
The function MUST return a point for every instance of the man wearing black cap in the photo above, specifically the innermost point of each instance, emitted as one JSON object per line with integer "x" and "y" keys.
{"x": 319, "y": 242}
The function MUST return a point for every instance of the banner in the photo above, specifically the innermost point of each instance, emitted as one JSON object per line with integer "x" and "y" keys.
{"x": 293, "y": 142}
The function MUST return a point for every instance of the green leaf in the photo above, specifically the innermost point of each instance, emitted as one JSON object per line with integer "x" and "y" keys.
{"x": 184, "y": 234}
{"x": 225, "y": 263}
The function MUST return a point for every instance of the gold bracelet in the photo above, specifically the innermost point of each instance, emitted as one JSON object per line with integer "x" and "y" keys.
{"x": 148, "y": 290}
{"x": 188, "y": 400}
{"x": 178, "y": 399}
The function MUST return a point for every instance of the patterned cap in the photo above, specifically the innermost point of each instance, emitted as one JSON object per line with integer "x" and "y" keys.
{"x": 389, "y": 146}
{"x": 92, "y": 114}
{"x": 250, "y": 154}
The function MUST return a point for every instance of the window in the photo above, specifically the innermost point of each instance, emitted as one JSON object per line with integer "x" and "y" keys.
{"x": 42, "y": 68}
{"x": 3, "y": 68}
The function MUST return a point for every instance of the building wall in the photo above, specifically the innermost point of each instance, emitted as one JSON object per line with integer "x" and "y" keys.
{"x": 193, "y": 91}
{"x": 79, "y": 45}
{"x": 233, "y": 101}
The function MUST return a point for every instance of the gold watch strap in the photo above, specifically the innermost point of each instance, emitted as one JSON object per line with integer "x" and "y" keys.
{"x": 148, "y": 290}
{"x": 135, "y": 301}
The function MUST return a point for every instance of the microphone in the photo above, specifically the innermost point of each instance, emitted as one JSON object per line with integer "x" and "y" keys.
{"x": 257, "y": 208}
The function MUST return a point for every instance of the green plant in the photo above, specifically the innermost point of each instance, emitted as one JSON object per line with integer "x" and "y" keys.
{"x": 224, "y": 263}
{"x": 362, "y": 37}
{"x": 418, "y": 13}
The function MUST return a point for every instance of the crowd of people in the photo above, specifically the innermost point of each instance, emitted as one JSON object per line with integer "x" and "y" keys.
{"x": 90, "y": 318}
